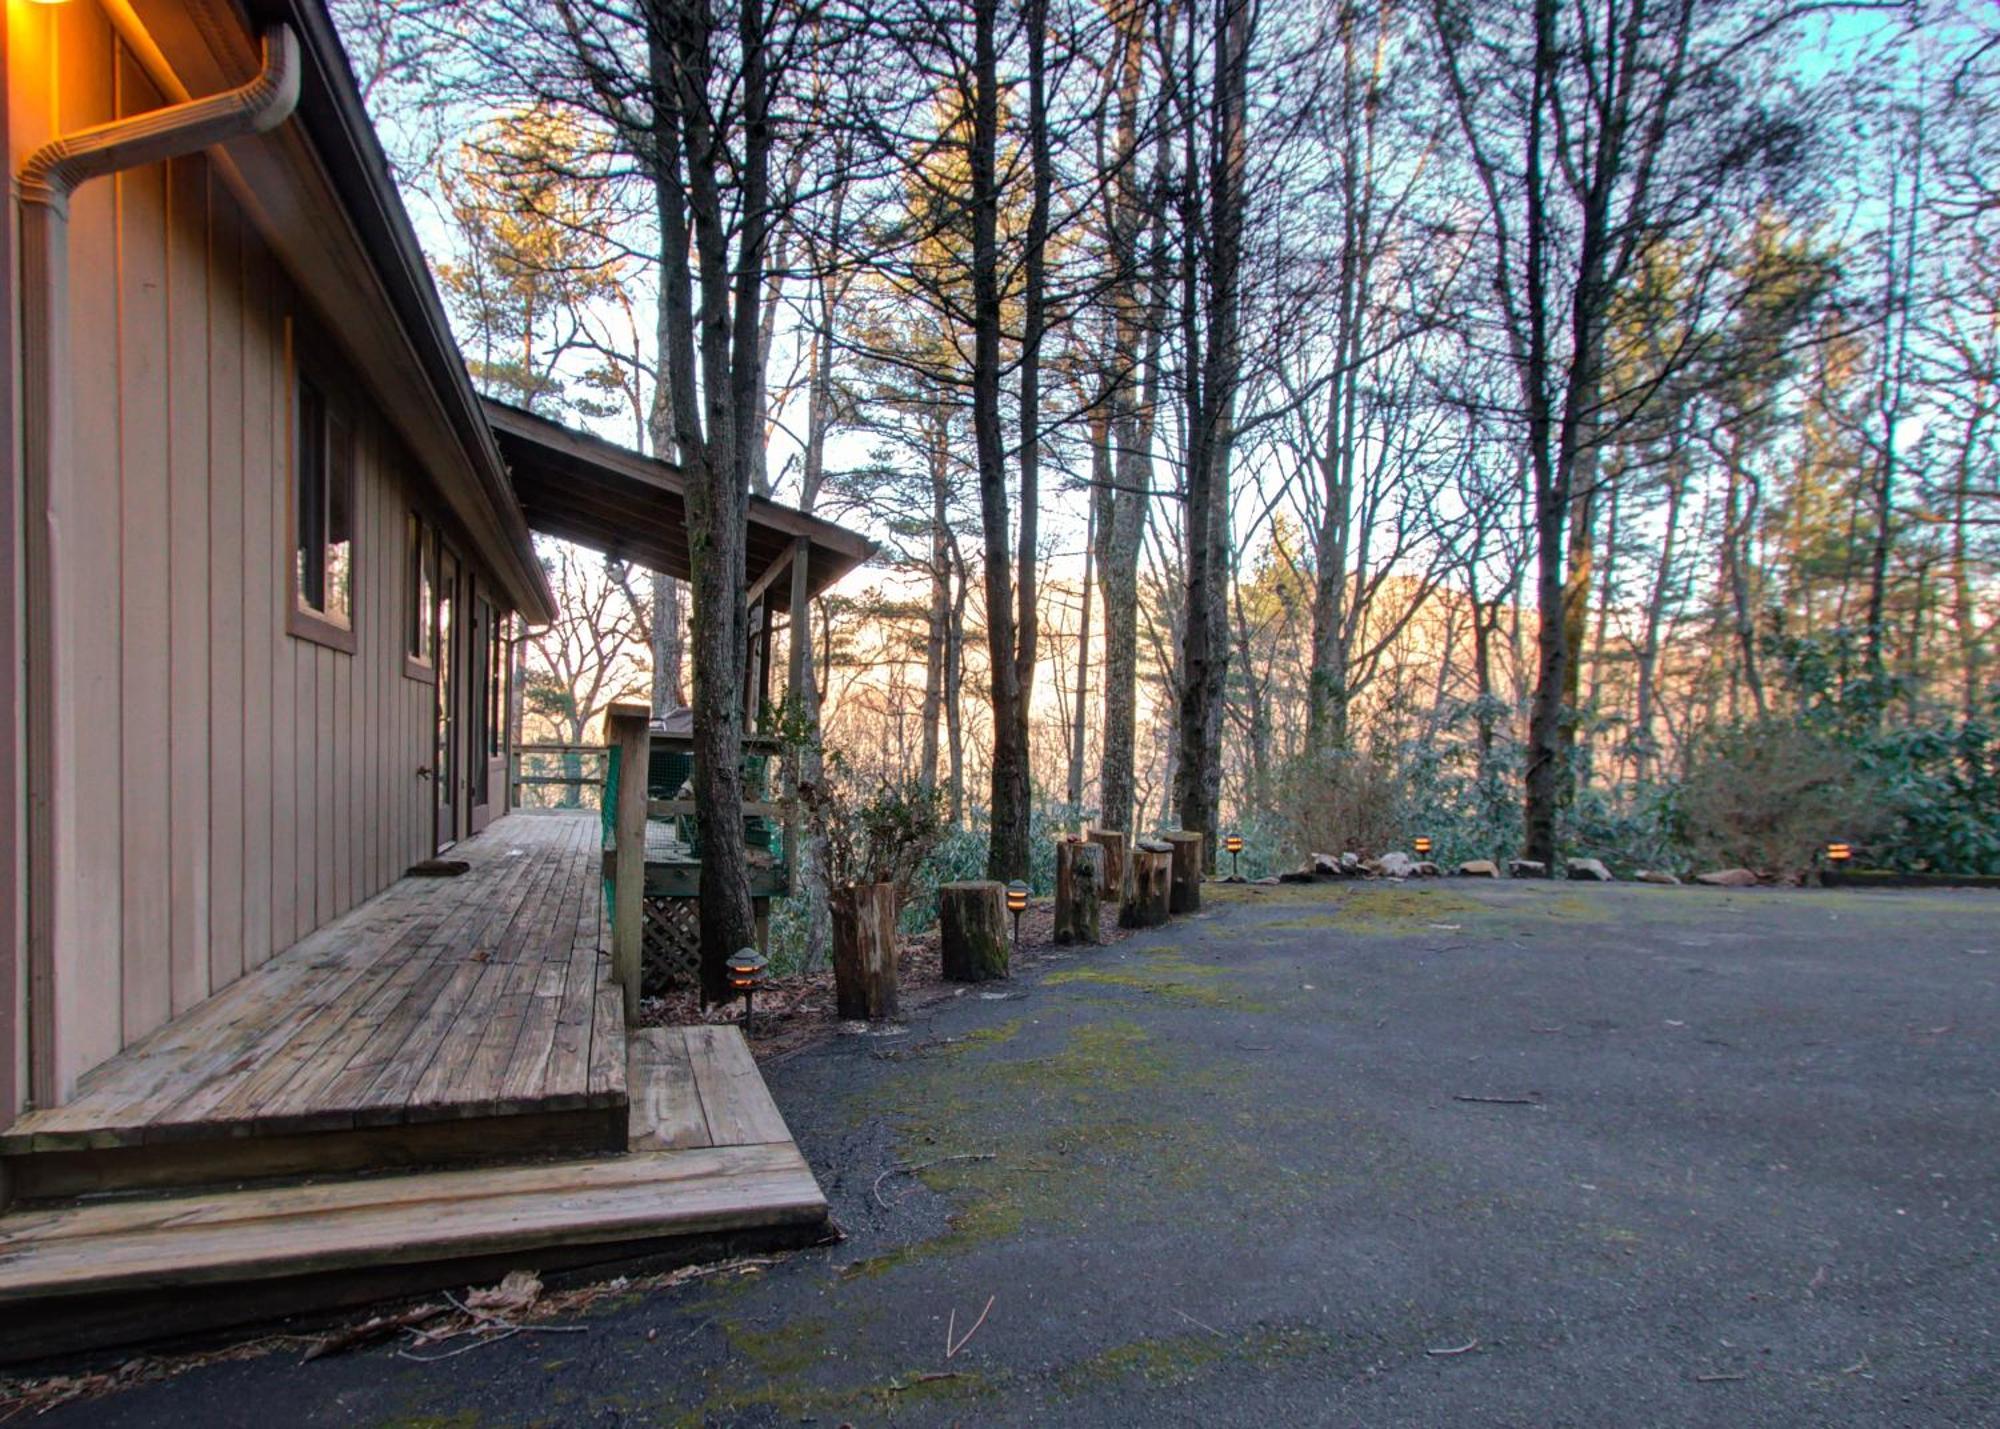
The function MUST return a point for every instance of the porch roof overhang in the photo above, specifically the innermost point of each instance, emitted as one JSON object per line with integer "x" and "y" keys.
{"x": 631, "y": 507}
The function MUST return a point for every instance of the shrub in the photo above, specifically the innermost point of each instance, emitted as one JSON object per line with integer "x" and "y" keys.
{"x": 1341, "y": 799}
{"x": 1767, "y": 795}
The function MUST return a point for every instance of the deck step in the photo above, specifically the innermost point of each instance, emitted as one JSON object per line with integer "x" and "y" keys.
{"x": 697, "y": 1086}
{"x": 85, "y": 1267}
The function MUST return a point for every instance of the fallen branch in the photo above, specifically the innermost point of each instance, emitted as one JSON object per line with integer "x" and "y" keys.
{"x": 949, "y": 1348}
{"x": 897, "y": 1386}
{"x": 1465, "y": 1349}
{"x": 378, "y": 1328}
{"x": 1498, "y": 1101}
{"x": 1718, "y": 1378}
{"x": 912, "y": 1168}
{"x": 1202, "y": 1324}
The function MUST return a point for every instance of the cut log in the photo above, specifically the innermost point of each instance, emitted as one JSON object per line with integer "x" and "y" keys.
{"x": 1186, "y": 846}
{"x": 1149, "y": 900}
{"x": 972, "y": 931}
{"x": 1079, "y": 881}
{"x": 1117, "y": 870}
{"x": 864, "y": 951}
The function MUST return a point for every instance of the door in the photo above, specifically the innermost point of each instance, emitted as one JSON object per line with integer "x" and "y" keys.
{"x": 481, "y": 730}
{"x": 448, "y": 767}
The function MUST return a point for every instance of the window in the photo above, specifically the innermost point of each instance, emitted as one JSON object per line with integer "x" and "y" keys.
{"x": 322, "y": 521}
{"x": 420, "y": 603}
{"x": 496, "y": 688}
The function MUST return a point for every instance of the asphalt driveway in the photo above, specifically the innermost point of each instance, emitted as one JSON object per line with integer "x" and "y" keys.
{"x": 1453, "y": 1153}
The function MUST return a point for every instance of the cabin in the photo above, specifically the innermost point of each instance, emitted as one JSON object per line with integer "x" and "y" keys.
{"x": 266, "y": 554}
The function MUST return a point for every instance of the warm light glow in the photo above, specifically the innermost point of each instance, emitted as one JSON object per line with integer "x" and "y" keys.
{"x": 1234, "y": 843}
{"x": 1838, "y": 853}
{"x": 1017, "y": 896}
{"x": 1421, "y": 845}
{"x": 746, "y": 969}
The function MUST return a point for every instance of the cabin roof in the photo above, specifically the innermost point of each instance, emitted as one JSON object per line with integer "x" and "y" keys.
{"x": 633, "y": 507}
{"x": 319, "y": 190}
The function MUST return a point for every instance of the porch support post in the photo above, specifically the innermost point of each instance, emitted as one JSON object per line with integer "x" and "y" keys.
{"x": 799, "y": 618}
{"x": 627, "y": 730}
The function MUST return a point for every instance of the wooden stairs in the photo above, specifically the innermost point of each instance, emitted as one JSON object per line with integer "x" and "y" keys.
{"x": 708, "y": 1163}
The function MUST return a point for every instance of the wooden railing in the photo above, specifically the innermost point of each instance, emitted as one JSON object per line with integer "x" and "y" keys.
{"x": 628, "y": 731}
{"x": 557, "y": 776}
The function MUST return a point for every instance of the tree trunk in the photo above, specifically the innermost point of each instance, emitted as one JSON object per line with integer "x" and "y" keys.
{"x": 954, "y": 711}
{"x": 1649, "y": 648}
{"x": 1149, "y": 897}
{"x": 1211, "y": 272}
{"x": 1008, "y": 812}
{"x": 864, "y": 951}
{"x": 1121, "y": 503}
{"x": 1080, "y": 696}
{"x": 717, "y": 429}
{"x": 1117, "y": 866}
{"x": 1187, "y": 866}
{"x": 973, "y": 931}
{"x": 669, "y": 692}
{"x": 1079, "y": 882}
{"x": 937, "y": 632}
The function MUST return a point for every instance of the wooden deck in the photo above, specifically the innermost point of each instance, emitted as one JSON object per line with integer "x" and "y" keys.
{"x": 711, "y": 1157}
{"x": 443, "y": 1004}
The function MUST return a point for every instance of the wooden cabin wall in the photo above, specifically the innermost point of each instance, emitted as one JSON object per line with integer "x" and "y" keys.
{"x": 230, "y": 787}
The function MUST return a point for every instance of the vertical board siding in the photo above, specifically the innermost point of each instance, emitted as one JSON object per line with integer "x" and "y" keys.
{"x": 90, "y": 834}
{"x": 226, "y": 733}
{"x": 189, "y": 568}
{"x": 228, "y": 787}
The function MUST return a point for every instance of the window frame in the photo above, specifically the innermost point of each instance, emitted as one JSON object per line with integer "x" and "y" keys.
{"x": 420, "y": 601}
{"x": 338, "y": 465}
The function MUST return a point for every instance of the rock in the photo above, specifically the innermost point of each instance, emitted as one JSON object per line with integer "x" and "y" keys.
{"x": 1350, "y": 861}
{"x": 1727, "y": 878}
{"x": 1479, "y": 868}
{"x": 1302, "y": 874}
{"x": 1426, "y": 869}
{"x": 1650, "y": 875}
{"x": 1589, "y": 869}
{"x": 1267, "y": 882}
{"x": 1368, "y": 868}
{"x": 1527, "y": 868}
{"x": 1397, "y": 865}
{"x": 1327, "y": 864}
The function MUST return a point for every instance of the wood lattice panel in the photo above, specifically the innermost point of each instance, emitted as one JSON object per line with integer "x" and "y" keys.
{"x": 671, "y": 951}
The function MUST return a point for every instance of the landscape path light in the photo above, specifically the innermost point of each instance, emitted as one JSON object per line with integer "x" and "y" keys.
{"x": 1017, "y": 903}
{"x": 746, "y": 975}
{"x": 1422, "y": 844}
{"x": 1234, "y": 843}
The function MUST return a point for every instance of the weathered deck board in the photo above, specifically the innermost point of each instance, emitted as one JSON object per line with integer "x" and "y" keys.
{"x": 733, "y": 1095}
{"x": 440, "y": 998}
{"x": 293, "y": 1230}
{"x": 666, "y": 1108}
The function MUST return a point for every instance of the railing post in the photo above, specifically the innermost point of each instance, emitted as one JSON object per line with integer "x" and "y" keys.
{"x": 627, "y": 729}
{"x": 798, "y": 669}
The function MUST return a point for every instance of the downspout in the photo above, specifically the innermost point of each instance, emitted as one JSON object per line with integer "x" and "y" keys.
{"x": 51, "y": 174}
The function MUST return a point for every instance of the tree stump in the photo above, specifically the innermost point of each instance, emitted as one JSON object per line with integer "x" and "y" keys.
{"x": 1186, "y": 847}
{"x": 1117, "y": 869}
{"x": 972, "y": 931}
{"x": 1079, "y": 879}
{"x": 864, "y": 951}
{"x": 1149, "y": 897}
